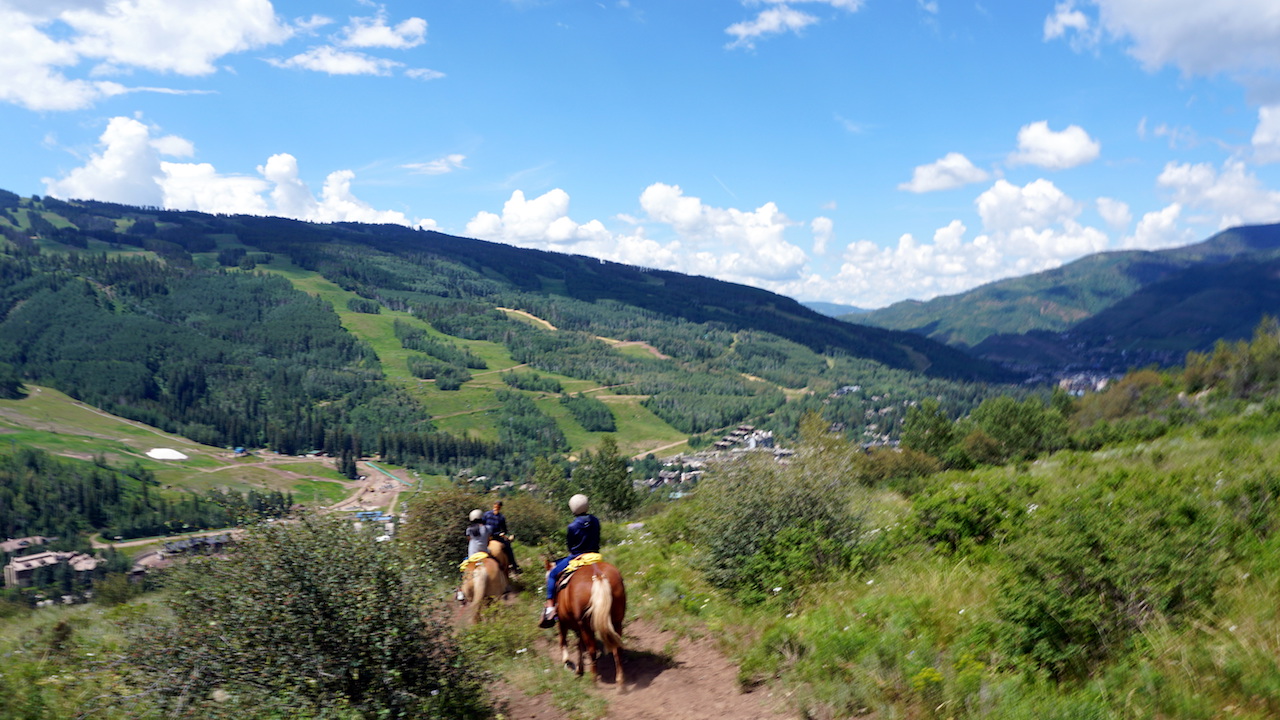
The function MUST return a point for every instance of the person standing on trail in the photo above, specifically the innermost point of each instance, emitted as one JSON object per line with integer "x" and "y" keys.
{"x": 584, "y": 537}
{"x": 497, "y": 523}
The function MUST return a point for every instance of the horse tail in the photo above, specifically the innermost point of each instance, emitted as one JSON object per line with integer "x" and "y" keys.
{"x": 479, "y": 585}
{"x": 602, "y": 613}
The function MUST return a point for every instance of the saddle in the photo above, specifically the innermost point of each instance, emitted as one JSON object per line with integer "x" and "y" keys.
{"x": 582, "y": 560}
{"x": 475, "y": 558}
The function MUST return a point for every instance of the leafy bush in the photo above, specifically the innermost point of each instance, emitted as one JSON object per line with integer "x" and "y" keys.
{"x": 1106, "y": 559}
{"x": 533, "y": 521}
{"x": 304, "y": 618}
{"x": 435, "y": 529}
{"x": 960, "y": 513}
{"x": 769, "y": 526}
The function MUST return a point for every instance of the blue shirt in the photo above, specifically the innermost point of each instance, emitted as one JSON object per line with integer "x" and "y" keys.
{"x": 496, "y": 521}
{"x": 584, "y": 535}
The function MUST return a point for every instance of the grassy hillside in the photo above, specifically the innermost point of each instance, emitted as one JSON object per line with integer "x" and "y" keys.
{"x": 387, "y": 335}
{"x": 51, "y": 421}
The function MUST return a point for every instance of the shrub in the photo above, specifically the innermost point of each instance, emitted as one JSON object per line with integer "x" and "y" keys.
{"x": 435, "y": 530}
{"x": 1106, "y": 559}
{"x": 954, "y": 515}
{"x": 767, "y": 525}
{"x": 533, "y": 521}
{"x": 307, "y": 618}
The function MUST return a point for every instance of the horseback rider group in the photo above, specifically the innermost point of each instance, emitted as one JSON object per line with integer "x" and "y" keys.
{"x": 583, "y": 536}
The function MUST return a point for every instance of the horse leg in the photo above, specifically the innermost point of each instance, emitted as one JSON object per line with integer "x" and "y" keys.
{"x": 589, "y": 639}
{"x": 564, "y": 645}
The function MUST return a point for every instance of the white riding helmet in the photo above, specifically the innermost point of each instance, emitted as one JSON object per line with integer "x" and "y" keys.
{"x": 578, "y": 504}
{"x": 476, "y": 515}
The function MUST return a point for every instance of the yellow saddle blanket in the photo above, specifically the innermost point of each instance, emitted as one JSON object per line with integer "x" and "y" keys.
{"x": 475, "y": 558}
{"x": 583, "y": 560}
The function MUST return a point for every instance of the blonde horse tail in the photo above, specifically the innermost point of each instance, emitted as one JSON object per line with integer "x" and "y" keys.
{"x": 602, "y": 613}
{"x": 479, "y": 586}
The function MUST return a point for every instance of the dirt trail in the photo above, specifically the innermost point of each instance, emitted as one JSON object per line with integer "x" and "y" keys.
{"x": 696, "y": 683}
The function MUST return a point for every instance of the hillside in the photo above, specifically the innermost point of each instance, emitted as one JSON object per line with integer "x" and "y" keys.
{"x": 436, "y": 351}
{"x": 1069, "y": 298}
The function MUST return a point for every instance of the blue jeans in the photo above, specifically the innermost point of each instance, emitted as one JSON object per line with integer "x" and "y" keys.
{"x": 554, "y": 575}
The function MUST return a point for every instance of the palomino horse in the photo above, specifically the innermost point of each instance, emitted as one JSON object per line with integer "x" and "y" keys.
{"x": 592, "y": 605}
{"x": 485, "y": 579}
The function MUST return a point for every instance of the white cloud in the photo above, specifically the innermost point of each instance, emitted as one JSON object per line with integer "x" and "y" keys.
{"x": 726, "y": 243}
{"x": 823, "y": 229}
{"x": 1199, "y": 38}
{"x": 43, "y": 46}
{"x": 439, "y": 166}
{"x": 543, "y": 223}
{"x": 1038, "y": 145}
{"x": 780, "y": 17}
{"x": 374, "y": 32}
{"x": 1157, "y": 230}
{"x": 952, "y": 171}
{"x": 1066, "y": 17}
{"x": 1266, "y": 138}
{"x": 423, "y": 74}
{"x": 1006, "y": 207}
{"x": 1235, "y": 195}
{"x": 1114, "y": 212}
{"x": 128, "y": 169}
{"x": 328, "y": 59}
{"x": 198, "y": 186}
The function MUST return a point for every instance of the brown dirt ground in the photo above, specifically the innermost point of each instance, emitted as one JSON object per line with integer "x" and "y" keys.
{"x": 697, "y": 683}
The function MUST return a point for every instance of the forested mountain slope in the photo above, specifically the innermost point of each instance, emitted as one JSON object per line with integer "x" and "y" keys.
{"x": 199, "y": 325}
{"x": 1065, "y": 298}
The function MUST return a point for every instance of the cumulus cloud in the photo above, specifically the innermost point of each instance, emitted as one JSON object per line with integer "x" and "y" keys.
{"x": 952, "y": 171}
{"x": 1266, "y": 138}
{"x": 1199, "y": 38}
{"x": 1067, "y": 19}
{"x": 47, "y": 45}
{"x": 328, "y": 59}
{"x": 823, "y": 229}
{"x": 338, "y": 58}
{"x": 727, "y": 243}
{"x": 1038, "y": 145}
{"x": 129, "y": 168}
{"x": 1233, "y": 194}
{"x": 1114, "y": 212}
{"x": 439, "y": 166}
{"x": 1157, "y": 230}
{"x": 780, "y": 17}
{"x": 374, "y": 32}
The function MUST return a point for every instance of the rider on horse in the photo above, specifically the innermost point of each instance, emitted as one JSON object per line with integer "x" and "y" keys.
{"x": 497, "y": 523}
{"x": 584, "y": 537}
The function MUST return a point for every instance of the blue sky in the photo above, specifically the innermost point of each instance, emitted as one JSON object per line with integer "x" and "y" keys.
{"x": 852, "y": 151}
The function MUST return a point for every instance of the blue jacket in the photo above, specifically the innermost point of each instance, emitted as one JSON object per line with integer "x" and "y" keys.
{"x": 496, "y": 521}
{"x": 584, "y": 535}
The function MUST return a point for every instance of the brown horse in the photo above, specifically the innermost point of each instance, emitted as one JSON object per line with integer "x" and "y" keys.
{"x": 485, "y": 579}
{"x": 593, "y": 605}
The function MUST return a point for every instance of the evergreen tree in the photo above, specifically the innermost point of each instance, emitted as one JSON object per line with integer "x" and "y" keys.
{"x": 604, "y": 475}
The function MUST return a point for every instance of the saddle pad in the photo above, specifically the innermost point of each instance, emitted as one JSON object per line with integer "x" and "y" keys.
{"x": 582, "y": 560}
{"x": 475, "y": 558}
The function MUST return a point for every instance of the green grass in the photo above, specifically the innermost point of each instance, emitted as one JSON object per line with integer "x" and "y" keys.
{"x": 467, "y": 411}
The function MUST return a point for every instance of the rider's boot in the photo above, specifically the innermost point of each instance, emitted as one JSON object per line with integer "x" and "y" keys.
{"x": 548, "y": 616}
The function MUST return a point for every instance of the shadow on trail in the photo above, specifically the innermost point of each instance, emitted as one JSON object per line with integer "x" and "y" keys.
{"x": 642, "y": 668}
